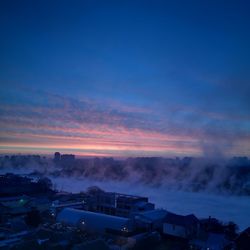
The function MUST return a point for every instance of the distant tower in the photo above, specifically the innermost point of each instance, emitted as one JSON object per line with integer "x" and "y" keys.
{"x": 57, "y": 157}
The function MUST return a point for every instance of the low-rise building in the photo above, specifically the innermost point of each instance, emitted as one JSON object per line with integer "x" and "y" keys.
{"x": 150, "y": 220}
{"x": 186, "y": 227}
{"x": 243, "y": 240}
{"x": 95, "y": 222}
{"x": 211, "y": 241}
{"x": 117, "y": 204}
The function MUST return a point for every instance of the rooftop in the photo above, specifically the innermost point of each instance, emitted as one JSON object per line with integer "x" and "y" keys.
{"x": 181, "y": 220}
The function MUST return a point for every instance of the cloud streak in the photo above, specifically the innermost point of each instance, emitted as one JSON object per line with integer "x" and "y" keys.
{"x": 107, "y": 128}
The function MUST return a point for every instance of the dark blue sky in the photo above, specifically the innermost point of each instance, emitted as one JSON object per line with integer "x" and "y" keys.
{"x": 156, "y": 77}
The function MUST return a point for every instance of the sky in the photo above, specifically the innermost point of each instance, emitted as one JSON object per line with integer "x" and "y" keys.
{"x": 125, "y": 78}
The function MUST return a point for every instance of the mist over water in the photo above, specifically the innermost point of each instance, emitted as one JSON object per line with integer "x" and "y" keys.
{"x": 206, "y": 187}
{"x": 202, "y": 204}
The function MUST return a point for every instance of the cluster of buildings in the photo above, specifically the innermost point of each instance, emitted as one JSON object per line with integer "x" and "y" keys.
{"x": 63, "y": 159}
{"x": 135, "y": 219}
{"x": 15, "y": 185}
{"x": 96, "y": 219}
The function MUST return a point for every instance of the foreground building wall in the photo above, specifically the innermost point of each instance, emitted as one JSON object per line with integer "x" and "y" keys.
{"x": 174, "y": 230}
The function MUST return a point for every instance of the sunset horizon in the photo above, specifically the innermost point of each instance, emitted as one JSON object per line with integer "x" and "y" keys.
{"x": 125, "y": 79}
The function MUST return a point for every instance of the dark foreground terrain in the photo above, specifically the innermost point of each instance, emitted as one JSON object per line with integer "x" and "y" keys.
{"x": 34, "y": 216}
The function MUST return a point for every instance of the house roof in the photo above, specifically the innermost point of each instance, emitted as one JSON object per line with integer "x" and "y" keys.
{"x": 244, "y": 236}
{"x": 247, "y": 231}
{"x": 156, "y": 214}
{"x": 153, "y": 215}
{"x": 73, "y": 217}
{"x": 181, "y": 220}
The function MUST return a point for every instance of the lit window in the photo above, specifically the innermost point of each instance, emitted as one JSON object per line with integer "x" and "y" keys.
{"x": 124, "y": 229}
